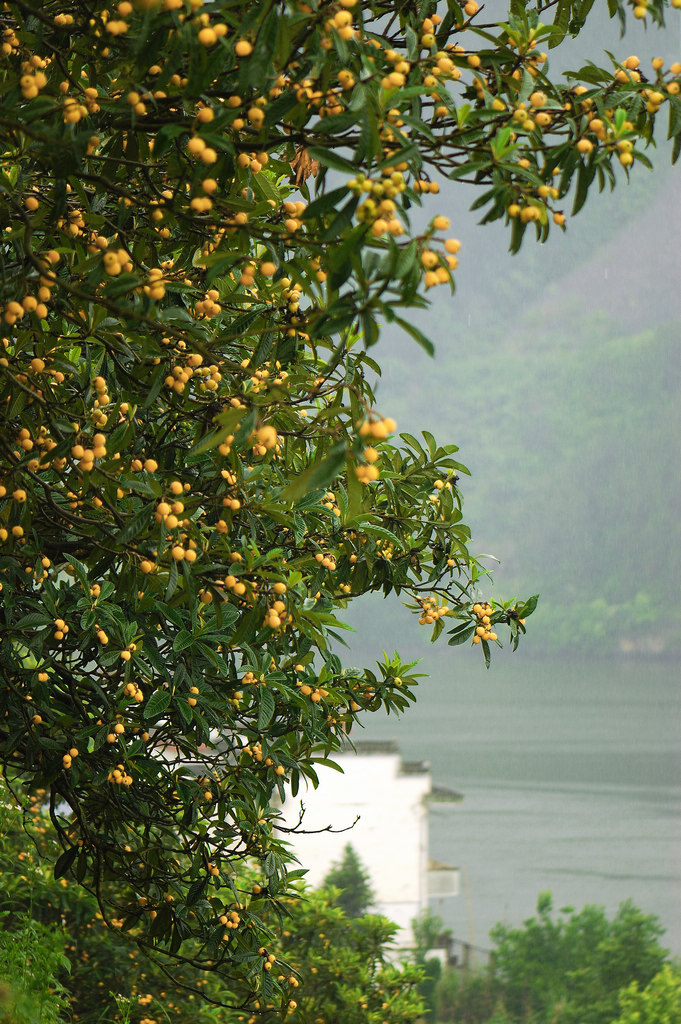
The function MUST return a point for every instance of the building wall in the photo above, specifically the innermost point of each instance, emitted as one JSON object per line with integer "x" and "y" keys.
{"x": 390, "y": 837}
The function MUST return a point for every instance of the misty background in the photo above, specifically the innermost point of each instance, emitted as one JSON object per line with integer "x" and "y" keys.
{"x": 557, "y": 374}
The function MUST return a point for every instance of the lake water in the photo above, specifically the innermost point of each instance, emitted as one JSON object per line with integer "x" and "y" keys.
{"x": 571, "y": 776}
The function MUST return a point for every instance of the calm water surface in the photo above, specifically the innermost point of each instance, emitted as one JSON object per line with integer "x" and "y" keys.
{"x": 571, "y": 776}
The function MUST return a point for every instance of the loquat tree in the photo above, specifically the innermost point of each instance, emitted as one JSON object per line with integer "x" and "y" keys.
{"x": 60, "y": 961}
{"x": 194, "y": 475}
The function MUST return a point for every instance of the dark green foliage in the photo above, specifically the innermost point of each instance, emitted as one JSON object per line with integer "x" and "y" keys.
{"x": 469, "y": 998}
{"x": 658, "y": 1003}
{"x": 33, "y": 971}
{"x": 59, "y": 961}
{"x": 427, "y": 930}
{"x": 565, "y": 968}
{"x": 570, "y": 967}
{"x": 353, "y": 881}
{"x": 428, "y": 933}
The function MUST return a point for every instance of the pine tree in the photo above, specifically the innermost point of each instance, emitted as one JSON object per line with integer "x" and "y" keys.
{"x": 353, "y": 881}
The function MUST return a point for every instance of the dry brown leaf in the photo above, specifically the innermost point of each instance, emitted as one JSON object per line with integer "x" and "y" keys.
{"x": 303, "y": 167}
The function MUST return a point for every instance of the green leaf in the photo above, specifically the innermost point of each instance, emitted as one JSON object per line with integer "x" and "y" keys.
{"x": 340, "y": 257}
{"x": 461, "y": 635}
{"x": 81, "y": 866}
{"x": 318, "y": 475}
{"x": 486, "y": 652}
{"x": 327, "y": 201}
{"x": 415, "y": 445}
{"x": 406, "y": 260}
{"x": 162, "y": 923}
{"x": 341, "y": 221}
{"x": 518, "y": 227}
{"x": 329, "y": 158}
{"x": 584, "y": 9}
{"x": 561, "y": 20}
{"x": 264, "y": 348}
{"x": 585, "y": 175}
{"x": 151, "y": 489}
{"x": 173, "y": 578}
{"x": 412, "y": 42}
{"x": 379, "y": 531}
{"x": 354, "y": 493}
{"x": 328, "y": 763}
{"x": 164, "y": 137}
{"x": 417, "y": 335}
{"x": 196, "y": 891}
{"x": 157, "y": 704}
{"x": 49, "y": 744}
{"x": 437, "y": 629}
{"x": 676, "y": 148}
{"x": 136, "y": 525}
{"x": 431, "y": 442}
{"x": 183, "y": 640}
{"x": 33, "y": 620}
{"x": 265, "y": 708}
{"x": 81, "y": 571}
{"x": 370, "y": 143}
{"x": 674, "y": 116}
{"x": 528, "y": 607}
{"x": 229, "y": 615}
{"x": 264, "y": 188}
{"x": 64, "y": 861}
{"x": 259, "y": 63}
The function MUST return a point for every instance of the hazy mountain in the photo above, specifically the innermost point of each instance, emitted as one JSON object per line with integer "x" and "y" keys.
{"x": 558, "y": 374}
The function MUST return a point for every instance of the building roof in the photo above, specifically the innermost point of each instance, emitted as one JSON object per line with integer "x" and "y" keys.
{"x": 414, "y": 767}
{"x": 444, "y": 795}
{"x": 438, "y": 865}
{"x": 383, "y": 747}
{"x": 373, "y": 747}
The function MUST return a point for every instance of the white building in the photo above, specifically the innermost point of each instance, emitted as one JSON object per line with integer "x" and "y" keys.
{"x": 380, "y": 806}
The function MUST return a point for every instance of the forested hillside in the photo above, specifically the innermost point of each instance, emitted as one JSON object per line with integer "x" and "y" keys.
{"x": 573, "y": 440}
